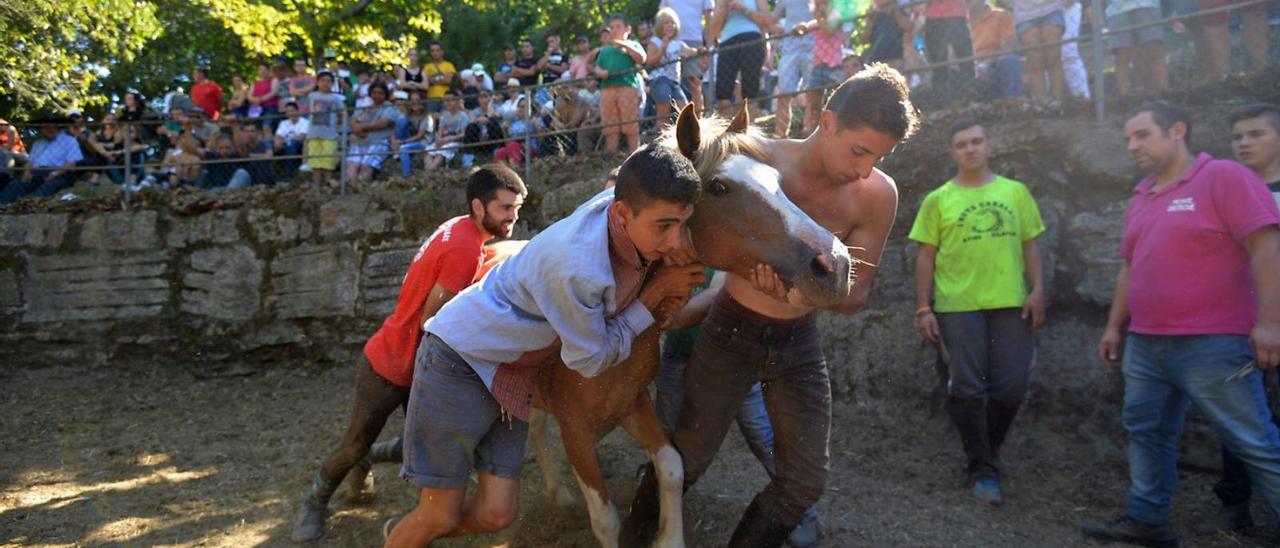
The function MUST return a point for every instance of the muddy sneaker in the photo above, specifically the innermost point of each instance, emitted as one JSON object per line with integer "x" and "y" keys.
{"x": 1123, "y": 529}
{"x": 988, "y": 491}
{"x": 310, "y": 524}
{"x": 1230, "y": 518}
{"x": 808, "y": 533}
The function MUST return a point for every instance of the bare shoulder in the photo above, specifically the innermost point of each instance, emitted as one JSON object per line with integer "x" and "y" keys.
{"x": 879, "y": 193}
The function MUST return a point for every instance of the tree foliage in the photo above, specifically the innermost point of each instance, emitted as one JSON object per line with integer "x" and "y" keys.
{"x": 54, "y": 50}
{"x": 61, "y": 54}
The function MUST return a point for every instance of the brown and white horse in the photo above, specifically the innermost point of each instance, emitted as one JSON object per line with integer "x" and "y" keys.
{"x": 742, "y": 220}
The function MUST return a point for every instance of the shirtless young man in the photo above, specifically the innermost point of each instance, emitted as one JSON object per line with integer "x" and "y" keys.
{"x": 757, "y": 330}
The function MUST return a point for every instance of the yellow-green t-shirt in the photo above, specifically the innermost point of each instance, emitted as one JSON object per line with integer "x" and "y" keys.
{"x": 431, "y": 69}
{"x": 979, "y": 232}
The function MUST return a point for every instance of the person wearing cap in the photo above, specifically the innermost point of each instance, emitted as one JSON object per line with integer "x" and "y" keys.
{"x": 290, "y": 137}
{"x": 470, "y": 89}
{"x": 49, "y": 165}
{"x": 508, "y": 64}
{"x": 578, "y": 66}
{"x": 483, "y": 80}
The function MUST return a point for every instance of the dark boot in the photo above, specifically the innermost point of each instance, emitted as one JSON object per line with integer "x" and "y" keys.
{"x": 360, "y": 487}
{"x": 970, "y": 419}
{"x": 314, "y": 509}
{"x": 1000, "y": 417}
{"x": 391, "y": 450}
{"x": 641, "y": 525}
{"x": 761, "y": 528}
{"x": 1124, "y": 529}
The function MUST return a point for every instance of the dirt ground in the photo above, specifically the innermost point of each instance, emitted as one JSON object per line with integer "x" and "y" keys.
{"x": 177, "y": 455}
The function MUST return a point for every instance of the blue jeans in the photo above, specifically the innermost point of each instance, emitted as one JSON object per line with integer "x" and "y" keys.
{"x": 1164, "y": 375}
{"x": 406, "y": 156}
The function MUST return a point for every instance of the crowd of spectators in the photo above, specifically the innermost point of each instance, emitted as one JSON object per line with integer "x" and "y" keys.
{"x": 426, "y": 114}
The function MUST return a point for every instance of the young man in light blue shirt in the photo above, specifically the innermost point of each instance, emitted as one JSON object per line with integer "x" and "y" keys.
{"x": 573, "y": 292}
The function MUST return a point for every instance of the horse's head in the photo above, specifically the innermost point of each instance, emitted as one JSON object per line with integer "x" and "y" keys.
{"x": 744, "y": 218}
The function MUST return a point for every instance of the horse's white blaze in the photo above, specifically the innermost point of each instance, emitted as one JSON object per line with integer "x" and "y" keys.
{"x": 744, "y": 169}
{"x": 670, "y": 470}
{"x": 604, "y": 517}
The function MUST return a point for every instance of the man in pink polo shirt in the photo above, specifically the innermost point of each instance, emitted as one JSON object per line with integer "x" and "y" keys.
{"x": 1200, "y": 288}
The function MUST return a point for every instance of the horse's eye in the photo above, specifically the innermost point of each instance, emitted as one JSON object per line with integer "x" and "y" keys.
{"x": 717, "y": 187}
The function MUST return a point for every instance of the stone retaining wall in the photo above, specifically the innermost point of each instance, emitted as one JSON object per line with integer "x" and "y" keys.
{"x": 297, "y": 276}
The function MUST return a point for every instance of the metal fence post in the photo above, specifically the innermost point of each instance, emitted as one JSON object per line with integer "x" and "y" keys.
{"x": 128, "y": 163}
{"x": 1099, "y": 62}
{"x": 528, "y": 137}
{"x": 342, "y": 150}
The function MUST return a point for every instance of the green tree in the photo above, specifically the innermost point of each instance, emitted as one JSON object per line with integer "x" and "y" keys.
{"x": 54, "y": 51}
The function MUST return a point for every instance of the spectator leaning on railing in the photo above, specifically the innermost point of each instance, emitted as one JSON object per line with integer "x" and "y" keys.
{"x": 290, "y": 136}
{"x": 615, "y": 64}
{"x": 371, "y": 129}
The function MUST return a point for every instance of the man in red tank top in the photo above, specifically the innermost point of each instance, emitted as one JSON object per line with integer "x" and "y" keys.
{"x": 452, "y": 258}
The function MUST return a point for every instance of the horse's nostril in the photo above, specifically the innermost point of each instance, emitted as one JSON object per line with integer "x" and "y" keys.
{"x": 820, "y": 267}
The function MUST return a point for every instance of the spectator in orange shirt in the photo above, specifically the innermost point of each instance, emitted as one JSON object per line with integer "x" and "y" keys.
{"x": 1000, "y": 73}
{"x": 206, "y": 93}
{"x": 12, "y": 152}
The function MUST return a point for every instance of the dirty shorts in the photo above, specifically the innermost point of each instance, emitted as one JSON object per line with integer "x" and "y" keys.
{"x": 453, "y": 424}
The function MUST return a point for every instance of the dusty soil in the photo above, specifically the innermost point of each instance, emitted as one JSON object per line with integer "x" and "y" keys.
{"x": 175, "y": 454}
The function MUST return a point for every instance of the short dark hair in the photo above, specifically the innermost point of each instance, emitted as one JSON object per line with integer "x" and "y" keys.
{"x": 551, "y": 33}
{"x": 485, "y": 181}
{"x": 508, "y": 46}
{"x": 961, "y": 125}
{"x": 876, "y": 97}
{"x": 325, "y": 74}
{"x": 616, "y": 17}
{"x": 1165, "y": 114}
{"x": 380, "y": 85}
{"x": 656, "y": 172}
{"x": 1257, "y": 110}
{"x": 203, "y": 71}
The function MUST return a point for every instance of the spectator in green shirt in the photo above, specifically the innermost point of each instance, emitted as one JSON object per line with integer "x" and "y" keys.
{"x": 615, "y": 63}
{"x": 978, "y": 257}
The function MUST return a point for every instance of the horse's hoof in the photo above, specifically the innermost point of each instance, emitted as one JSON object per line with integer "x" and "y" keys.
{"x": 562, "y": 497}
{"x": 310, "y": 524}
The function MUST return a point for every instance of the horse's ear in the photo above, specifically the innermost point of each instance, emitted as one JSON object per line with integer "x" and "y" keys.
{"x": 740, "y": 122}
{"x": 688, "y": 132}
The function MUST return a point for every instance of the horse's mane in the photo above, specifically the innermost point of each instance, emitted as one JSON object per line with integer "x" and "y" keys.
{"x": 717, "y": 144}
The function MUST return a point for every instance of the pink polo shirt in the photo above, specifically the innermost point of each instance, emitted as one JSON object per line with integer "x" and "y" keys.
{"x": 1189, "y": 271}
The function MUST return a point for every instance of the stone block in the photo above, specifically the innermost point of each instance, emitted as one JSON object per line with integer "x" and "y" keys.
{"x": 95, "y": 286}
{"x": 384, "y": 272}
{"x": 561, "y": 201}
{"x": 313, "y": 281}
{"x": 34, "y": 230}
{"x": 224, "y": 283}
{"x": 10, "y": 294}
{"x": 269, "y": 226}
{"x": 124, "y": 230}
{"x": 353, "y": 214}
{"x": 219, "y": 226}
{"x": 1095, "y": 238}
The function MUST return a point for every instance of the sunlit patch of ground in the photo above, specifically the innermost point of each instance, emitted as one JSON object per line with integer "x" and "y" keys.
{"x": 155, "y": 456}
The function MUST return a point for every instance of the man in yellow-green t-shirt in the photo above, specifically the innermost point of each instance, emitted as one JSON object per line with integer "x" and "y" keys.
{"x": 978, "y": 258}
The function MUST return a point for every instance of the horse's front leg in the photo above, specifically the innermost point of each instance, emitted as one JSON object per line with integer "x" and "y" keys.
{"x": 642, "y": 425}
{"x": 556, "y": 490}
{"x": 580, "y": 447}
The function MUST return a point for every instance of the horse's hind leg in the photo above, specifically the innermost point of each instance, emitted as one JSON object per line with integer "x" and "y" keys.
{"x": 580, "y": 447}
{"x": 642, "y": 424}
{"x": 557, "y": 491}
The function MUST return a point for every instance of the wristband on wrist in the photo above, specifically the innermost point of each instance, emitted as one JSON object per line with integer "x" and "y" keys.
{"x": 924, "y": 310}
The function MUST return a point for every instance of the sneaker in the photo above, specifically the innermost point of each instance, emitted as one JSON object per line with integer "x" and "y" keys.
{"x": 1124, "y": 529}
{"x": 310, "y": 524}
{"x": 988, "y": 491}
{"x": 808, "y": 533}
{"x": 1229, "y": 518}
{"x": 304, "y": 168}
